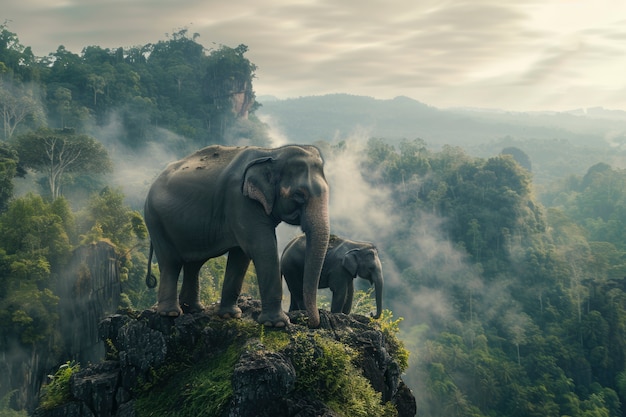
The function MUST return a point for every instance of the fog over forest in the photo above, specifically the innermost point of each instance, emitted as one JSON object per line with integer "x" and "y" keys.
{"x": 501, "y": 233}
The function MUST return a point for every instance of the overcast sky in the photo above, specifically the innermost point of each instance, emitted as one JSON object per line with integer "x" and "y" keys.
{"x": 512, "y": 55}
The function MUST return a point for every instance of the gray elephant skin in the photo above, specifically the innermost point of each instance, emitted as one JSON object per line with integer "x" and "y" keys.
{"x": 345, "y": 260}
{"x": 230, "y": 200}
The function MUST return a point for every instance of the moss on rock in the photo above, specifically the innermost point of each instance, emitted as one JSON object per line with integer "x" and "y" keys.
{"x": 201, "y": 365}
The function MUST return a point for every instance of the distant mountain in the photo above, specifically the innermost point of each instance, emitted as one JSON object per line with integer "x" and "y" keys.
{"x": 340, "y": 115}
{"x": 558, "y": 143}
{"x": 600, "y": 112}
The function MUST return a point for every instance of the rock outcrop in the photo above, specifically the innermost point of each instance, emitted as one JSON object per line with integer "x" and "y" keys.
{"x": 199, "y": 364}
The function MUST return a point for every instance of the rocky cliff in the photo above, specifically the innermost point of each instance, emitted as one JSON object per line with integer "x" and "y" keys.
{"x": 88, "y": 289}
{"x": 201, "y": 365}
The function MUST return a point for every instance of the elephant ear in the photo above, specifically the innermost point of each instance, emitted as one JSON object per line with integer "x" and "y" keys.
{"x": 350, "y": 262}
{"x": 258, "y": 183}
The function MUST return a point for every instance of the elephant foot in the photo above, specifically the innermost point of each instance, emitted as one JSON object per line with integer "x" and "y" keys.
{"x": 229, "y": 312}
{"x": 189, "y": 308}
{"x": 168, "y": 309}
{"x": 279, "y": 319}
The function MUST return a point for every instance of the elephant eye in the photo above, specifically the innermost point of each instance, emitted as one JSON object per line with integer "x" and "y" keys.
{"x": 298, "y": 196}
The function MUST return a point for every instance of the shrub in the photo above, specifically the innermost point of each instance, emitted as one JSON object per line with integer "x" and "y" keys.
{"x": 390, "y": 329}
{"x": 57, "y": 392}
{"x": 324, "y": 367}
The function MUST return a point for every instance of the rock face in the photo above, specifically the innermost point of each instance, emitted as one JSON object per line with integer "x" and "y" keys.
{"x": 89, "y": 290}
{"x": 142, "y": 350}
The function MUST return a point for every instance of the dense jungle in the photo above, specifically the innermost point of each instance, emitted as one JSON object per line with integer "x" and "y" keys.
{"x": 511, "y": 295}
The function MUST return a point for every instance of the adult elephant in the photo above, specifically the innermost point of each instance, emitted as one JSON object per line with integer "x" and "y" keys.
{"x": 345, "y": 260}
{"x": 230, "y": 200}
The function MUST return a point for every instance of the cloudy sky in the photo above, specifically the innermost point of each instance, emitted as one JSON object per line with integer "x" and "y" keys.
{"x": 512, "y": 55}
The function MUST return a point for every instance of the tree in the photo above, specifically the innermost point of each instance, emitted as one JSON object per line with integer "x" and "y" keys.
{"x": 16, "y": 105}
{"x": 16, "y": 61}
{"x": 107, "y": 217}
{"x": 9, "y": 169}
{"x": 33, "y": 249}
{"x": 380, "y": 157}
{"x": 33, "y": 227}
{"x": 519, "y": 155}
{"x": 96, "y": 84}
{"x": 57, "y": 152}
{"x": 64, "y": 108}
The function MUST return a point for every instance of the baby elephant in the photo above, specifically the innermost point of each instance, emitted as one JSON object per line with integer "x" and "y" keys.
{"x": 345, "y": 259}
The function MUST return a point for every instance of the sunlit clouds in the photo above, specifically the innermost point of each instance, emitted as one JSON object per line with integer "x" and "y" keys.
{"x": 525, "y": 55}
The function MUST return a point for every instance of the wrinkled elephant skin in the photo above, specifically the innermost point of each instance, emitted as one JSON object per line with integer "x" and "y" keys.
{"x": 230, "y": 200}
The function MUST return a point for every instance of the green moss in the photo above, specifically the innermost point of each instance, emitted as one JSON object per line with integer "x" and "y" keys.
{"x": 57, "y": 392}
{"x": 203, "y": 389}
{"x": 390, "y": 329}
{"x": 111, "y": 352}
{"x": 184, "y": 387}
{"x": 325, "y": 368}
{"x": 274, "y": 339}
{"x": 241, "y": 329}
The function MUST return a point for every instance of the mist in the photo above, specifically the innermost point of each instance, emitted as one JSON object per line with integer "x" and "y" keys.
{"x": 359, "y": 211}
{"x": 134, "y": 170}
{"x": 420, "y": 264}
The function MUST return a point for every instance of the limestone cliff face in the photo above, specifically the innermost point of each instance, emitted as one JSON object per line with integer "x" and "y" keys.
{"x": 199, "y": 364}
{"x": 241, "y": 102}
{"x": 89, "y": 289}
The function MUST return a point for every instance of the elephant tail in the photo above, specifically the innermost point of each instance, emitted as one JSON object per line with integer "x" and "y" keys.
{"x": 151, "y": 280}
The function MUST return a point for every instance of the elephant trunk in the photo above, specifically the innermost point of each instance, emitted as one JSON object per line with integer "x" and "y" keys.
{"x": 378, "y": 288}
{"x": 316, "y": 227}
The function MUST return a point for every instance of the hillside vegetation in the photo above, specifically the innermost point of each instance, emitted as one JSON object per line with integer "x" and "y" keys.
{"x": 507, "y": 267}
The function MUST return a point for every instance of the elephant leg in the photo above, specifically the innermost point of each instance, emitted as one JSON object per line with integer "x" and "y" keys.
{"x": 189, "y": 298}
{"x": 294, "y": 284}
{"x": 236, "y": 267}
{"x": 297, "y": 302}
{"x": 347, "y": 306}
{"x": 167, "y": 298}
{"x": 270, "y": 287}
{"x": 339, "y": 299}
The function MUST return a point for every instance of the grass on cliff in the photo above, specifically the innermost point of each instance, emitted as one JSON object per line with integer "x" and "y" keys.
{"x": 57, "y": 392}
{"x": 324, "y": 368}
{"x": 203, "y": 389}
{"x": 391, "y": 329}
{"x": 188, "y": 389}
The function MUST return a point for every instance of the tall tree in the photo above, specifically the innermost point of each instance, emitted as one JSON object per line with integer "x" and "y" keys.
{"x": 16, "y": 105}
{"x": 57, "y": 152}
{"x": 16, "y": 61}
{"x": 108, "y": 217}
{"x": 519, "y": 155}
{"x": 9, "y": 169}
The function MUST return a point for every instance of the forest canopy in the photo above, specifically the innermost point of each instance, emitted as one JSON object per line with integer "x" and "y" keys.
{"x": 512, "y": 306}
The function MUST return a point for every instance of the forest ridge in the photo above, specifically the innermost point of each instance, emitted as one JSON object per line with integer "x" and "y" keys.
{"x": 512, "y": 295}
